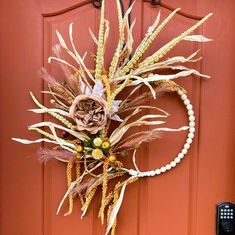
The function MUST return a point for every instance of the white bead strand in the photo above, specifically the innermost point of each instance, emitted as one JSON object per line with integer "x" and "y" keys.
{"x": 185, "y": 149}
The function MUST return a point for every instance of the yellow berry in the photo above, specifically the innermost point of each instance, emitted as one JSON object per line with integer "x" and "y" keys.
{"x": 97, "y": 154}
{"x": 106, "y": 145}
{"x": 79, "y": 148}
{"x": 78, "y": 156}
{"x": 97, "y": 141}
{"x": 112, "y": 158}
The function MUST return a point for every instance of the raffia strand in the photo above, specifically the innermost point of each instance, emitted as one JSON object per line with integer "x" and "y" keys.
{"x": 89, "y": 197}
{"x": 78, "y": 174}
{"x": 104, "y": 189}
{"x": 69, "y": 181}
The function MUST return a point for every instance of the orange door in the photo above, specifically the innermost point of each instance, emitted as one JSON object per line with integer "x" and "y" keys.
{"x": 180, "y": 202}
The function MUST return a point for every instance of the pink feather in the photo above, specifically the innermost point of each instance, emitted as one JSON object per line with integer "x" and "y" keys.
{"x": 45, "y": 154}
{"x": 46, "y": 76}
{"x": 69, "y": 76}
{"x": 57, "y": 51}
{"x": 82, "y": 187}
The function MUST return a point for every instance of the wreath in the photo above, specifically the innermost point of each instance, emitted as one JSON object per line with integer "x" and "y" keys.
{"x": 93, "y": 115}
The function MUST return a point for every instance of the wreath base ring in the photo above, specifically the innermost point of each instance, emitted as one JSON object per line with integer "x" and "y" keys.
{"x": 184, "y": 151}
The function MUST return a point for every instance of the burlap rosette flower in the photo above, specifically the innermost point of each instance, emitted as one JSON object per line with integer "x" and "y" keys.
{"x": 89, "y": 112}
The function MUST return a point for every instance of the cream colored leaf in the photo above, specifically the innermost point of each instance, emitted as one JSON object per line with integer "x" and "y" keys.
{"x": 197, "y": 38}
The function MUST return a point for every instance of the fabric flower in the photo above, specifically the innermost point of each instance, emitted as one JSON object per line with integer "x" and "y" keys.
{"x": 114, "y": 110}
{"x": 98, "y": 90}
{"x": 89, "y": 112}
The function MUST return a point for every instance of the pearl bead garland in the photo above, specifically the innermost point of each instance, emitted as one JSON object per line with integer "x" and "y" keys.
{"x": 185, "y": 149}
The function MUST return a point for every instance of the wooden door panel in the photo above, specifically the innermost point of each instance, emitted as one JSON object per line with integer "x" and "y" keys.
{"x": 83, "y": 16}
{"x": 181, "y": 201}
{"x": 216, "y": 172}
{"x": 172, "y": 191}
{"x": 20, "y": 175}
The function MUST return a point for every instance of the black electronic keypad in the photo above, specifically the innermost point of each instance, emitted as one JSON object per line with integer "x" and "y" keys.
{"x": 225, "y": 219}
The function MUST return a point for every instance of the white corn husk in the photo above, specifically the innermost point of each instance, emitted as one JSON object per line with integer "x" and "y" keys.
{"x": 79, "y": 135}
{"x": 47, "y": 110}
{"x": 197, "y": 38}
